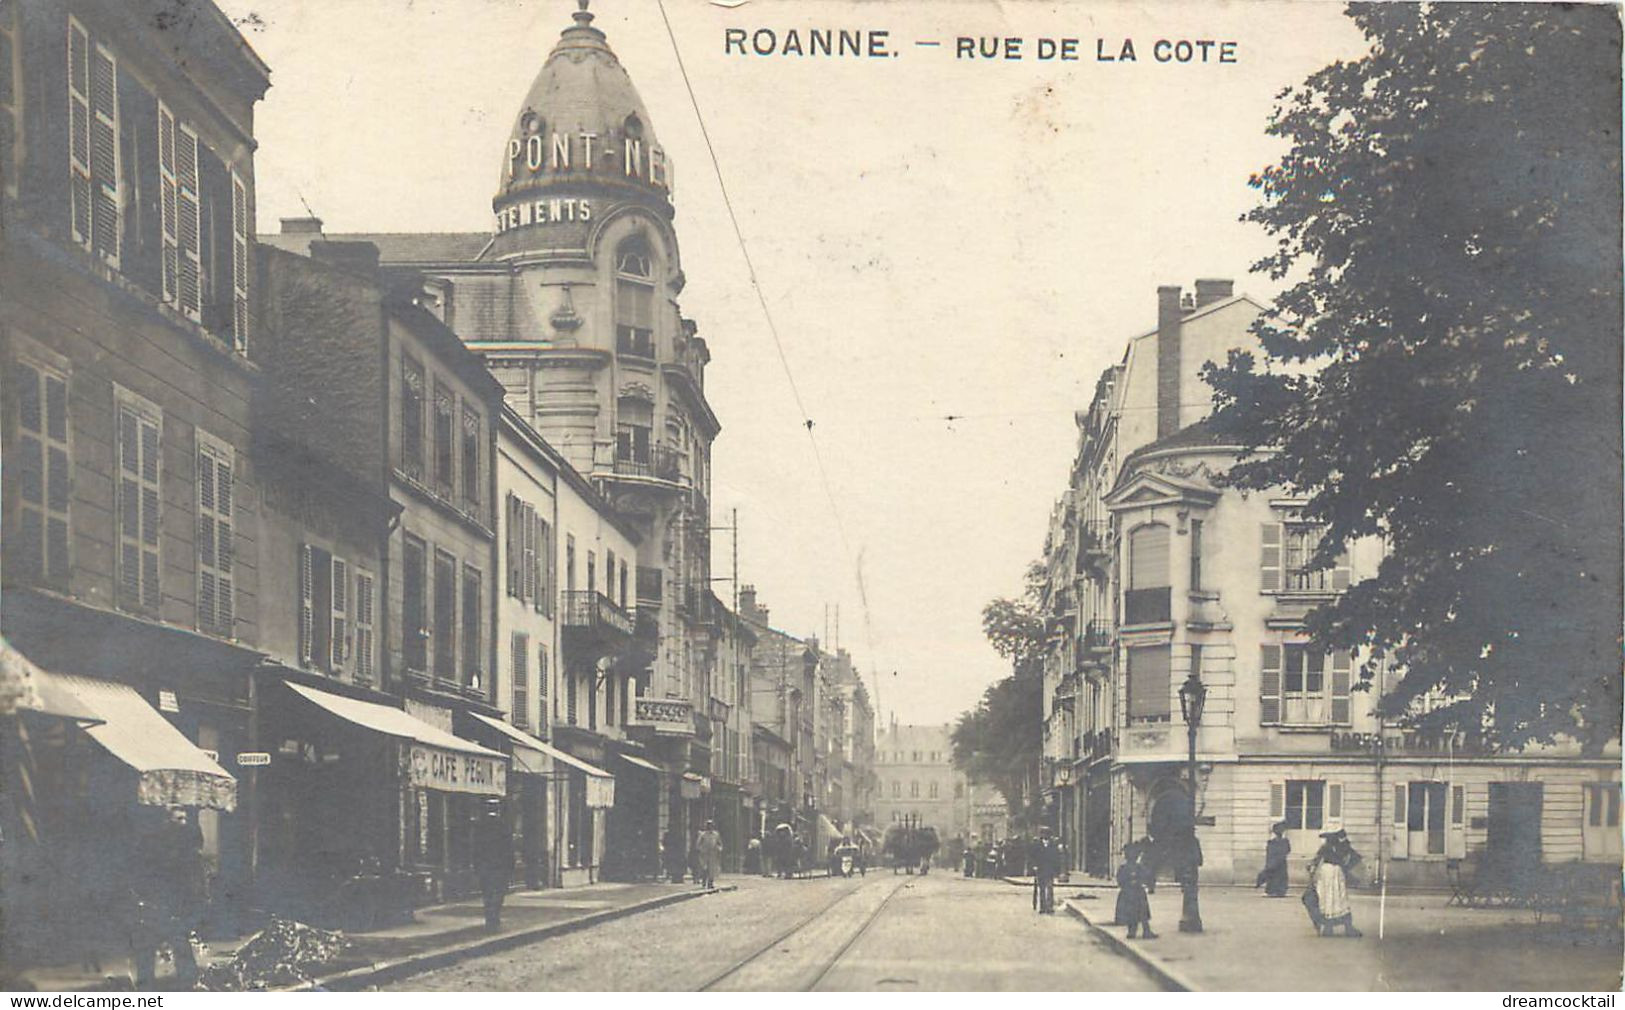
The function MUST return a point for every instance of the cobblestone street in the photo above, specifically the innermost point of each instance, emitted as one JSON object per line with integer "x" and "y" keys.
{"x": 939, "y": 932}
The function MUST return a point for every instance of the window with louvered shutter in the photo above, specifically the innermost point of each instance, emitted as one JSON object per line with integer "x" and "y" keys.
{"x": 239, "y": 263}
{"x": 473, "y": 627}
{"x": 139, "y": 497}
{"x": 79, "y": 174}
{"x": 307, "y": 604}
{"x": 168, "y": 209}
{"x": 42, "y": 472}
{"x": 339, "y": 639}
{"x": 188, "y": 225}
{"x": 363, "y": 627}
{"x": 216, "y": 536}
{"x": 520, "y": 680}
{"x": 1341, "y": 675}
{"x": 528, "y": 552}
{"x": 105, "y": 226}
{"x": 1269, "y": 684}
{"x": 511, "y": 543}
{"x": 1269, "y": 565}
{"x": 549, "y": 570}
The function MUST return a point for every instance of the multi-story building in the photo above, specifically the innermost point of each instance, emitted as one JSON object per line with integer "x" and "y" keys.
{"x": 571, "y": 301}
{"x": 916, "y": 778}
{"x": 132, "y": 558}
{"x": 785, "y": 696}
{"x": 1185, "y": 578}
{"x": 852, "y": 742}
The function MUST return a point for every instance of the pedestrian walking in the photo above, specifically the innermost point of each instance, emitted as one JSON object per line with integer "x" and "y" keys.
{"x": 1133, "y": 908}
{"x": 167, "y": 888}
{"x": 1273, "y": 877}
{"x": 493, "y": 861}
{"x": 708, "y": 854}
{"x": 1046, "y": 860}
{"x": 1328, "y": 875}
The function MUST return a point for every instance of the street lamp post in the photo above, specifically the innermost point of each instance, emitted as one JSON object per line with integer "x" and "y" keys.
{"x": 1192, "y": 696}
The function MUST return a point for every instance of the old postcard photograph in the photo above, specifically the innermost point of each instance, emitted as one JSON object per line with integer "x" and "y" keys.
{"x": 810, "y": 496}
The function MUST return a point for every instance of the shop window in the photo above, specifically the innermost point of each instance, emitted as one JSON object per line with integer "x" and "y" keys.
{"x": 43, "y": 473}
{"x": 1149, "y": 691}
{"x": 140, "y": 427}
{"x": 414, "y": 604}
{"x": 215, "y": 541}
{"x": 1146, "y": 600}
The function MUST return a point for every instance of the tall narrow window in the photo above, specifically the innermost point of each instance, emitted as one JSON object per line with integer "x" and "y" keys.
{"x": 623, "y": 585}
{"x": 445, "y": 616}
{"x": 473, "y": 628}
{"x": 412, "y": 400}
{"x": 1148, "y": 684}
{"x": 634, "y": 302}
{"x": 363, "y": 627}
{"x": 215, "y": 536}
{"x": 1196, "y": 555}
{"x": 545, "y": 578}
{"x": 520, "y": 677}
{"x": 444, "y": 449}
{"x": 1146, "y": 599}
{"x": 139, "y": 497}
{"x": 544, "y": 689}
{"x": 239, "y": 263}
{"x": 634, "y": 435}
{"x": 94, "y": 169}
{"x": 42, "y": 472}
{"x": 471, "y": 460}
{"x": 414, "y": 604}
{"x": 570, "y": 699}
{"x": 609, "y": 700}
{"x": 339, "y": 591}
{"x": 322, "y": 630}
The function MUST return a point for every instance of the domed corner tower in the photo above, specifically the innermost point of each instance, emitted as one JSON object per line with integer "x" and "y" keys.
{"x": 600, "y": 359}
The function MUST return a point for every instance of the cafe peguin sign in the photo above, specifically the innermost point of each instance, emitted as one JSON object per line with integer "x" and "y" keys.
{"x": 536, "y": 156}
{"x": 455, "y": 772}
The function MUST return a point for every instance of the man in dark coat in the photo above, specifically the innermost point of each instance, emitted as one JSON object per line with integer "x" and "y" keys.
{"x": 1045, "y": 855}
{"x": 167, "y": 885}
{"x": 493, "y": 861}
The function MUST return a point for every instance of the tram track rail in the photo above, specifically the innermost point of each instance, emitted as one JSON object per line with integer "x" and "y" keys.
{"x": 824, "y": 966}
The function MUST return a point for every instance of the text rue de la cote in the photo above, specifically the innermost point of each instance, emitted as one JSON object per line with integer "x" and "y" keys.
{"x": 879, "y": 43}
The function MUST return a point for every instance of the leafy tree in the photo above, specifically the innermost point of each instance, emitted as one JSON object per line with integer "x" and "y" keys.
{"x": 1001, "y": 739}
{"x": 1444, "y": 370}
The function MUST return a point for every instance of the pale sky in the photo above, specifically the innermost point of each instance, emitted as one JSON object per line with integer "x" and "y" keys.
{"x": 935, "y": 238}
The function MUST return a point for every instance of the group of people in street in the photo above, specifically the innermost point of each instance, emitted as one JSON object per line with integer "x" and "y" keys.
{"x": 700, "y": 861}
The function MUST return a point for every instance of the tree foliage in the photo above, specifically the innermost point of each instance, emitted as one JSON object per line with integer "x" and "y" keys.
{"x": 1001, "y": 739}
{"x": 1444, "y": 369}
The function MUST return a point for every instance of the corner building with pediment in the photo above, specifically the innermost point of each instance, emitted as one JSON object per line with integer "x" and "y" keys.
{"x": 571, "y": 299}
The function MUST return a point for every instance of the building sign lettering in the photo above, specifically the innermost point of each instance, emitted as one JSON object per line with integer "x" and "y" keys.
{"x": 1406, "y": 743}
{"x": 665, "y": 715}
{"x": 549, "y": 211}
{"x": 453, "y": 772}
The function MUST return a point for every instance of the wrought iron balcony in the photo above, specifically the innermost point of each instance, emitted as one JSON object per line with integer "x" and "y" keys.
{"x": 1097, "y": 636}
{"x": 657, "y": 461}
{"x": 592, "y": 620}
{"x": 1094, "y": 554}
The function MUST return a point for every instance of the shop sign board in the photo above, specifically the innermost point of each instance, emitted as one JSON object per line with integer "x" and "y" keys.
{"x": 667, "y": 716}
{"x": 454, "y": 772}
{"x": 253, "y": 759}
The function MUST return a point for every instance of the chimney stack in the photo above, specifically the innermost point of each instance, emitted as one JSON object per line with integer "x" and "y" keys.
{"x": 1213, "y": 289}
{"x": 747, "y": 602}
{"x": 1170, "y": 315}
{"x": 301, "y": 226}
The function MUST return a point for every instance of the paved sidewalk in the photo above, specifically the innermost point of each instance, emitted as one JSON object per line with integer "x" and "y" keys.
{"x": 1255, "y": 943}
{"x": 439, "y": 935}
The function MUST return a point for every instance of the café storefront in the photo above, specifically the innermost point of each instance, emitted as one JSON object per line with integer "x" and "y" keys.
{"x": 366, "y": 806}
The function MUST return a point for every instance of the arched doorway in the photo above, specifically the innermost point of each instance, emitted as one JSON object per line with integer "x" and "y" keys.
{"x": 1169, "y": 820}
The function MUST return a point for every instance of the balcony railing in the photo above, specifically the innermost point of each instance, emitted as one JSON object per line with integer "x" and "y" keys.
{"x": 1095, "y": 551}
{"x": 659, "y": 461}
{"x": 1097, "y": 636}
{"x": 588, "y": 610}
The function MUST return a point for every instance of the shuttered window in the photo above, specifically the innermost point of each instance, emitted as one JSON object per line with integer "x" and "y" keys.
{"x": 363, "y": 627}
{"x": 546, "y": 575}
{"x": 339, "y": 591}
{"x": 307, "y": 604}
{"x": 473, "y": 627}
{"x": 414, "y": 600}
{"x": 216, "y": 536}
{"x": 1149, "y": 684}
{"x": 1269, "y": 684}
{"x": 445, "y": 616}
{"x": 520, "y": 678}
{"x": 513, "y": 544}
{"x": 139, "y": 497}
{"x": 42, "y": 472}
{"x": 240, "y": 231}
{"x": 168, "y": 205}
{"x": 412, "y": 401}
{"x": 188, "y": 225}
{"x": 1286, "y": 551}
{"x": 94, "y": 163}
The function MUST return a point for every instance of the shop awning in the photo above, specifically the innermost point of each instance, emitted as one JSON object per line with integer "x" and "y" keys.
{"x": 172, "y": 771}
{"x": 27, "y": 686}
{"x": 635, "y": 760}
{"x": 528, "y": 752}
{"x": 600, "y": 784}
{"x": 430, "y": 757}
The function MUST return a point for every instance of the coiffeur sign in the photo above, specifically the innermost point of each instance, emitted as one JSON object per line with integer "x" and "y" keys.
{"x": 451, "y": 772}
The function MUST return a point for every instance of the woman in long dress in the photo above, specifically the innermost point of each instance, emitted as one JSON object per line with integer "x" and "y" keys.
{"x": 1273, "y": 877}
{"x": 1329, "y": 873}
{"x": 1133, "y": 908}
